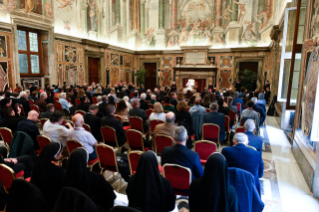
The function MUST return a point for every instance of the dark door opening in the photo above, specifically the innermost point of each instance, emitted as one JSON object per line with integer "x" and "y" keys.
{"x": 93, "y": 69}
{"x": 248, "y": 75}
{"x": 150, "y": 77}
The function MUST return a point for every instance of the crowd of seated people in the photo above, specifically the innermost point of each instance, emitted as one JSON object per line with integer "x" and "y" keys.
{"x": 182, "y": 115}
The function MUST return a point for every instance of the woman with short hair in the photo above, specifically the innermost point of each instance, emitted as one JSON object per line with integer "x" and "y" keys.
{"x": 158, "y": 112}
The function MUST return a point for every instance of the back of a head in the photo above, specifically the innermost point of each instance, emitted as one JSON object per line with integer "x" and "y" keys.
{"x": 250, "y": 104}
{"x": 213, "y": 107}
{"x": 78, "y": 120}
{"x": 43, "y": 95}
{"x": 125, "y": 98}
{"x": 104, "y": 98}
{"x": 93, "y": 107}
{"x": 249, "y": 125}
{"x": 63, "y": 95}
{"x": 50, "y": 106}
{"x": 254, "y": 100}
{"x": 241, "y": 138}
{"x": 197, "y": 100}
{"x": 220, "y": 101}
{"x": 236, "y": 94}
{"x": 110, "y": 109}
{"x": 8, "y": 111}
{"x": 153, "y": 97}
{"x": 143, "y": 96}
{"x": 56, "y": 116}
{"x": 170, "y": 117}
{"x": 167, "y": 100}
{"x": 158, "y": 108}
{"x": 136, "y": 103}
{"x": 82, "y": 99}
{"x": 23, "y": 94}
{"x": 180, "y": 134}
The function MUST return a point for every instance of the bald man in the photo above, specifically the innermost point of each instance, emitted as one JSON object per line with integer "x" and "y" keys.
{"x": 168, "y": 127}
{"x": 30, "y": 127}
{"x": 83, "y": 136}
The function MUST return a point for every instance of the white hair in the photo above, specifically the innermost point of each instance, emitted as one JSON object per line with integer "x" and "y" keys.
{"x": 180, "y": 134}
{"x": 22, "y": 94}
{"x": 125, "y": 98}
{"x": 254, "y": 99}
{"x": 249, "y": 125}
{"x": 153, "y": 97}
{"x": 155, "y": 90}
{"x": 43, "y": 94}
{"x": 63, "y": 95}
{"x": 143, "y": 96}
{"x": 99, "y": 98}
{"x": 241, "y": 138}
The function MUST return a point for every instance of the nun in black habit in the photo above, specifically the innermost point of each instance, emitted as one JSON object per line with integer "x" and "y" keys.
{"x": 92, "y": 184}
{"x": 47, "y": 176}
{"x": 212, "y": 192}
{"x": 147, "y": 190}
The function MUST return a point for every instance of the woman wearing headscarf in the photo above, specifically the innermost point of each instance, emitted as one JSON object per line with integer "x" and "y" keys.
{"x": 147, "y": 190}
{"x": 47, "y": 176}
{"x": 212, "y": 192}
{"x": 92, "y": 184}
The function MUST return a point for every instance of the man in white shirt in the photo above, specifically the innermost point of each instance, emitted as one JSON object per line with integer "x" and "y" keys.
{"x": 54, "y": 129}
{"x": 83, "y": 136}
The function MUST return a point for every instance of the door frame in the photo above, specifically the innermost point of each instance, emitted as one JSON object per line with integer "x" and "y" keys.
{"x": 151, "y": 60}
{"x": 102, "y": 74}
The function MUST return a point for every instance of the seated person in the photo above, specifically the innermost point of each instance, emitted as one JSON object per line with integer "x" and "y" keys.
{"x": 135, "y": 96}
{"x": 259, "y": 109}
{"x": 202, "y": 191}
{"x": 158, "y": 112}
{"x": 222, "y": 106}
{"x": 50, "y": 109}
{"x": 91, "y": 119}
{"x": 54, "y": 129}
{"x": 250, "y": 113}
{"x": 253, "y": 140}
{"x": 147, "y": 189}
{"x": 21, "y": 163}
{"x": 168, "y": 127}
{"x": 122, "y": 111}
{"x": 10, "y": 120}
{"x": 30, "y": 127}
{"x": 83, "y": 136}
{"x": 167, "y": 106}
{"x": 153, "y": 99}
{"x": 92, "y": 184}
{"x": 65, "y": 104}
{"x": 143, "y": 104}
{"x": 216, "y": 118}
{"x": 41, "y": 102}
{"x": 240, "y": 156}
{"x": 181, "y": 155}
{"x": 237, "y": 99}
{"x": 84, "y": 105}
{"x": 137, "y": 111}
{"x": 197, "y": 113}
{"x": 116, "y": 124}
{"x": 24, "y": 102}
{"x": 103, "y": 105}
{"x": 173, "y": 99}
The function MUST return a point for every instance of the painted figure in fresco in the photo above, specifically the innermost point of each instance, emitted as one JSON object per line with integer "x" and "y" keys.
{"x": 207, "y": 37}
{"x": 48, "y": 10}
{"x": 11, "y": 5}
{"x": 265, "y": 16}
{"x": 242, "y": 11}
{"x": 150, "y": 36}
{"x": 93, "y": 15}
{"x": 65, "y": 3}
{"x": 315, "y": 20}
{"x": 227, "y": 12}
{"x": 172, "y": 39}
{"x": 28, "y": 6}
{"x": 249, "y": 37}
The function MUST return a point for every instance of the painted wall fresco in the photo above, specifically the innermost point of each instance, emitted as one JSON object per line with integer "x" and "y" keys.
{"x": 7, "y": 77}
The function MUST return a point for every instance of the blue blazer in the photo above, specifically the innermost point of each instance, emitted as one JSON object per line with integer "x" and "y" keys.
{"x": 238, "y": 100}
{"x": 219, "y": 119}
{"x": 248, "y": 197}
{"x": 242, "y": 157}
{"x": 255, "y": 141}
{"x": 183, "y": 156}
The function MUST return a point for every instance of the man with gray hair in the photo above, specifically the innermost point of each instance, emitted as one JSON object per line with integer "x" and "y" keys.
{"x": 181, "y": 155}
{"x": 65, "y": 104}
{"x": 168, "y": 127}
{"x": 254, "y": 141}
{"x": 24, "y": 102}
{"x": 240, "y": 156}
{"x": 42, "y": 104}
{"x": 143, "y": 104}
{"x": 256, "y": 107}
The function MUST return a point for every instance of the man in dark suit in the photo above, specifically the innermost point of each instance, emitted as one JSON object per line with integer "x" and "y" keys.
{"x": 94, "y": 122}
{"x": 137, "y": 111}
{"x": 116, "y": 124}
{"x": 254, "y": 141}
{"x": 240, "y": 156}
{"x": 10, "y": 120}
{"x": 24, "y": 102}
{"x": 103, "y": 105}
{"x": 42, "y": 104}
{"x": 238, "y": 100}
{"x": 143, "y": 104}
{"x": 216, "y": 118}
{"x": 84, "y": 105}
{"x": 50, "y": 109}
{"x": 181, "y": 155}
{"x": 173, "y": 99}
{"x": 29, "y": 127}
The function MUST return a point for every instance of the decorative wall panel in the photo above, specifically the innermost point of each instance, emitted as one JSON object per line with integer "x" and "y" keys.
{"x": 225, "y": 79}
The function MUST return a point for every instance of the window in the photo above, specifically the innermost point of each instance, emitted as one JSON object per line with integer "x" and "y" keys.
{"x": 29, "y": 52}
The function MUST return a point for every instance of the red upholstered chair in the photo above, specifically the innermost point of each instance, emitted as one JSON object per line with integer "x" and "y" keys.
{"x": 6, "y": 135}
{"x": 227, "y": 124}
{"x": 238, "y": 107}
{"x": 58, "y": 106}
{"x": 73, "y": 144}
{"x": 188, "y": 109}
{"x": 43, "y": 141}
{"x": 68, "y": 99}
{"x": 108, "y": 160}
{"x": 118, "y": 117}
{"x": 117, "y": 104}
{"x": 67, "y": 121}
{"x": 94, "y": 100}
{"x": 239, "y": 130}
{"x": 136, "y": 123}
{"x": 210, "y": 132}
{"x": 87, "y": 127}
{"x": 135, "y": 140}
{"x": 109, "y": 136}
{"x": 150, "y": 106}
{"x": 55, "y": 99}
{"x": 232, "y": 117}
{"x": 7, "y": 176}
{"x": 207, "y": 110}
{"x": 179, "y": 176}
{"x": 133, "y": 157}
{"x": 162, "y": 141}
{"x": 80, "y": 112}
{"x": 42, "y": 121}
{"x": 204, "y": 150}
{"x": 131, "y": 95}
{"x": 31, "y": 102}
{"x": 36, "y": 108}
{"x": 77, "y": 101}
{"x": 154, "y": 123}
{"x": 149, "y": 112}
{"x": 22, "y": 113}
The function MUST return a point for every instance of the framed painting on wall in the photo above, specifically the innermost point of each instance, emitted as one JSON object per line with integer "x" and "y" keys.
{"x": 3, "y": 75}
{"x": 3, "y": 46}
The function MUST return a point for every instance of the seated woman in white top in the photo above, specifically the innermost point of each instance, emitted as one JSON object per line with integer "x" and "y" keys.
{"x": 158, "y": 112}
